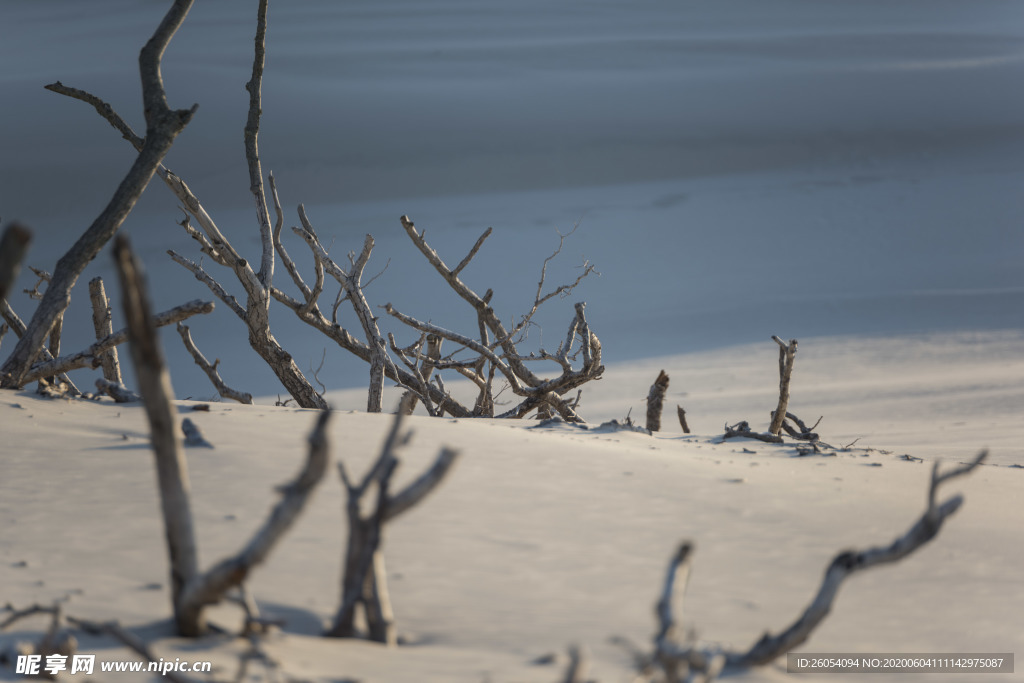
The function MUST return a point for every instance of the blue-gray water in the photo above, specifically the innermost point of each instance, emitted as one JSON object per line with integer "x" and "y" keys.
{"x": 738, "y": 169}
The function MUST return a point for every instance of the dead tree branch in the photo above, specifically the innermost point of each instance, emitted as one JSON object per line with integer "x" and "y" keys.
{"x": 44, "y": 278}
{"x": 102, "y": 325}
{"x": 91, "y": 356}
{"x": 171, "y": 466}
{"x": 655, "y": 401}
{"x": 162, "y": 127}
{"x": 364, "y": 582}
{"x": 18, "y": 327}
{"x": 211, "y": 587}
{"x": 769, "y": 647}
{"x": 255, "y": 312}
{"x": 787, "y": 356}
{"x": 191, "y": 591}
{"x": 211, "y": 370}
{"x": 742, "y": 429}
{"x": 679, "y": 660}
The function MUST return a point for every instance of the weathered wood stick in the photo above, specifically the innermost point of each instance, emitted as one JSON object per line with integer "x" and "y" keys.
{"x": 103, "y": 327}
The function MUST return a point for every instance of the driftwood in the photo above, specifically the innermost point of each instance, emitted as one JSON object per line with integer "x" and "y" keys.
{"x": 364, "y": 582}
{"x": 117, "y": 391}
{"x": 103, "y": 327}
{"x": 673, "y": 661}
{"x": 162, "y": 126}
{"x": 656, "y": 401}
{"x": 171, "y": 466}
{"x": 211, "y": 369}
{"x": 742, "y": 429}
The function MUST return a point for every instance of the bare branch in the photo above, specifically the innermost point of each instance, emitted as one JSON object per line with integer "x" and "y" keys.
{"x": 289, "y": 264}
{"x": 205, "y": 278}
{"x": 252, "y": 155}
{"x": 103, "y": 109}
{"x": 364, "y": 581}
{"x": 211, "y": 370}
{"x": 18, "y": 327}
{"x": 90, "y": 357}
{"x": 171, "y": 466}
{"x": 213, "y": 585}
{"x": 102, "y": 325}
{"x": 769, "y": 647}
{"x": 44, "y": 278}
{"x": 412, "y": 494}
{"x": 472, "y": 252}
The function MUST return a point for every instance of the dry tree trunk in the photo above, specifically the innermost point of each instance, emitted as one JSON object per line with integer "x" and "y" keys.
{"x": 787, "y": 356}
{"x": 655, "y": 401}
{"x": 101, "y": 323}
{"x": 162, "y": 126}
{"x": 171, "y": 466}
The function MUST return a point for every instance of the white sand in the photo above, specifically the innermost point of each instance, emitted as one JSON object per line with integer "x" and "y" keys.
{"x": 546, "y": 537}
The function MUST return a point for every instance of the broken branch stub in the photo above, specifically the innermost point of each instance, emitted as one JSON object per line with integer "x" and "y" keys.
{"x": 655, "y": 401}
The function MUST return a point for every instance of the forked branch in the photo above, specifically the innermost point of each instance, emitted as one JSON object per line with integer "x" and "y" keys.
{"x": 364, "y": 582}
